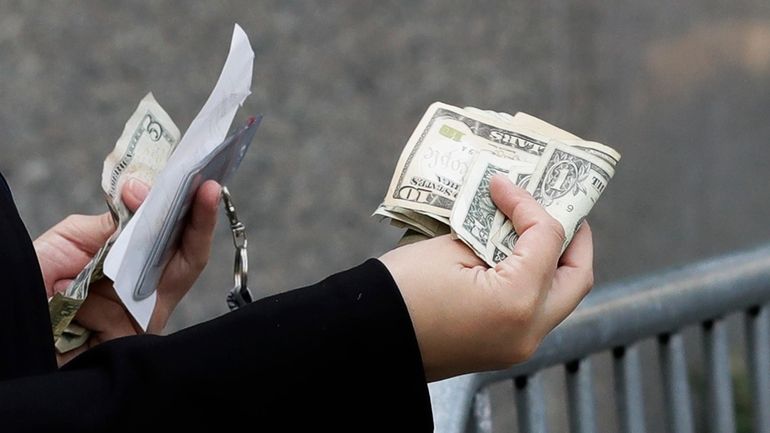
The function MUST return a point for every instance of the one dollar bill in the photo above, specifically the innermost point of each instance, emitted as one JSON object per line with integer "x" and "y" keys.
{"x": 567, "y": 183}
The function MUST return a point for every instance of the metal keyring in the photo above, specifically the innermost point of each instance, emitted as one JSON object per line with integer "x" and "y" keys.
{"x": 240, "y": 294}
{"x": 241, "y": 269}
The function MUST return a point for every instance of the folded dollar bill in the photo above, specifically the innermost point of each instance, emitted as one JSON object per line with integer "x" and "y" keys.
{"x": 441, "y": 181}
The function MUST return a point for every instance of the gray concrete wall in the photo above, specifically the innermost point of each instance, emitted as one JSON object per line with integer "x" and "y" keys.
{"x": 681, "y": 89}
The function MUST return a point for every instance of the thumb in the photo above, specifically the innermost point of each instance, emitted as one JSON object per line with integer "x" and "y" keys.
{"x": 87, "y": 232}
{"x": 540, "y": 235}
{"x": 134, "y": 192}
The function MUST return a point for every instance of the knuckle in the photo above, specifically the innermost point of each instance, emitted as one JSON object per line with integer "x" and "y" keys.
{"x": 198, "y": 262}
{"x": 505, "y": 268}
{"x": 590, "y": 280}
{"x": 73, "y": 219}
{"x": 524, "y": 350}
{"x": 529, "y": 347}
{"x": 557, "y": 229}
{"x": 106, "y": 222}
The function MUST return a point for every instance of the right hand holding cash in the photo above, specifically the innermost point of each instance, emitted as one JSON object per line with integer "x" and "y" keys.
{"x": 441, "y": 182}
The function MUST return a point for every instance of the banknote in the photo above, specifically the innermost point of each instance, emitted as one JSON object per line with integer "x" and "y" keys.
{"x": 500, "y": 248}
{"x": 148, "y": 139}
{"x": 441, "y": 181}
{"x": 567, "y": 182}
{"x": 473, "y": 215}
{"x": 439, "y": 152}
{"x": 153, "y": 137}
{"x": 403, "y": 217}
{"x": 524, "y": 121}
{"x": 519, "y": 177}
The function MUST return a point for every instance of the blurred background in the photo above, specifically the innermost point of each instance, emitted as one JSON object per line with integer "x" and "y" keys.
{"x": 681, "y": 89}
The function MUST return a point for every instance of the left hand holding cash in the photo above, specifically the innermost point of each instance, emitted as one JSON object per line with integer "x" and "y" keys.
{"x": 68, "y": 246}
{"x": 470, "y": 317}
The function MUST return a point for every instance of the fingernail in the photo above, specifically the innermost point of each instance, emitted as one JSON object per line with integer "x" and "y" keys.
{"x": 138, "y": 188}
{"x": 501, "y": 178}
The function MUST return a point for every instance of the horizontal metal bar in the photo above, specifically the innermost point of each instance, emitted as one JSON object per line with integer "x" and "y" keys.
{"x": 624, "y": 313}
{"x": 580, "y": 396}
{"x": 628, "y": 389}
{"x": 758, "y": 346}
{"x": 676, "y": 388}
{"x": 621, "y": 314}
{"x": 530, "y": 404}
{"x": 719, "y": 392}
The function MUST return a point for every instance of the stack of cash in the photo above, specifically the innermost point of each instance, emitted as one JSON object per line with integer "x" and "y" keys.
{"x": 441, "y": 182}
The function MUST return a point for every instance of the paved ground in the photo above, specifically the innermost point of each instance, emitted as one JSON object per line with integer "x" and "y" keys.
{"x": 682, "y": 92}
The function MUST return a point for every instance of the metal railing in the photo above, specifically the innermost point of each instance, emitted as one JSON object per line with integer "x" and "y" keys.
{"x": 616, "y": 319}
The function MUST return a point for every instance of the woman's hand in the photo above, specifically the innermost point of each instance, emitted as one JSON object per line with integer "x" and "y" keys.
{"x": 67, "y": 247}
{"x": 469, "y": 317}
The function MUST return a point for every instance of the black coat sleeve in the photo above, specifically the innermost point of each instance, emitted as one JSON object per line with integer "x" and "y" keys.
{"x": 25, "y": 327}
{"x": 340, "y": 355}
